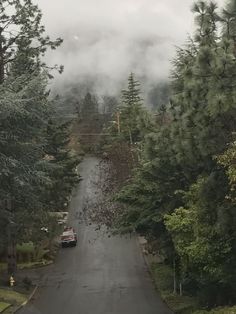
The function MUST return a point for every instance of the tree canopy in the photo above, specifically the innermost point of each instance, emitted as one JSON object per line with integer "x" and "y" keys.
{"x": 182, "y": 192}
{"x": 27, "y": 166}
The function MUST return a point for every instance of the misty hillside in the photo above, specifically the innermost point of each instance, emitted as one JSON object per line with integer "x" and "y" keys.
{"x": 69, "y": 99}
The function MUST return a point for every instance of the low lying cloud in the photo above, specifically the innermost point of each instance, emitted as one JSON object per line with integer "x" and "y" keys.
{"x": 104, "y": 40}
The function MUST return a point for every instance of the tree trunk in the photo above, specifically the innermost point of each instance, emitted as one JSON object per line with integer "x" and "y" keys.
{"x": 118, "y": 121}
{"x": 130, "y": 138}
{"x": 174, "y": 282}
{"x": 180, "y": 289}
{"x": 11, "y": 252}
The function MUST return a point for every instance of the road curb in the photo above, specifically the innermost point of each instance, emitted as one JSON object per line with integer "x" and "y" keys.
{"x": 27, "y": 301}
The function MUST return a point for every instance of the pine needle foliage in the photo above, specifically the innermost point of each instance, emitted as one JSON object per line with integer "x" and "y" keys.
{"x": 182, "y": 194}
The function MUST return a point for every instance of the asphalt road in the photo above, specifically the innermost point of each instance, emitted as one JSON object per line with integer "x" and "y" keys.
{"x": 102, "y": 275}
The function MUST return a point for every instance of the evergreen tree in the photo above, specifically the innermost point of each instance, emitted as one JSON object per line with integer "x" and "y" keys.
{"x": 179, "y": 192}
{"x": 229, "y": 22}
{"x": 25, "y": 110}
{"x": 89, "y": 107}
{"x": 63, "y": 164}
{"x": 130, "y": 111}
{"x": 21, "y": 28}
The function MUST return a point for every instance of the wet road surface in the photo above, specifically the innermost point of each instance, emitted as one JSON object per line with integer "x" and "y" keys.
{"x": 101, "y": 275}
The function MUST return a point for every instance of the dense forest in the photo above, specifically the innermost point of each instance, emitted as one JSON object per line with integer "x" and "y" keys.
{"x": 37, "y": 167}
{"x": 180, "y": 192}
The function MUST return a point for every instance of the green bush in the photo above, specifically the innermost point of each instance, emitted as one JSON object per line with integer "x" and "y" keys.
{"x": 163, "y": 277}
{"x": 25, "y": 248}
{"x": 25, "y": 252}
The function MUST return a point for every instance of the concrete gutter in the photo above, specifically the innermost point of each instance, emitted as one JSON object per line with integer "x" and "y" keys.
{"x": 27, "y": 301}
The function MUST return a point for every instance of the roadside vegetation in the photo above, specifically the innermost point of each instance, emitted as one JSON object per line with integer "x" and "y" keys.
{"x": 11, "y": 300}
{"x": 3, "y": 306}
{"x": 175, "y": 170}
{"x": 162, "y": 275}
{"x": 38, "y": 169}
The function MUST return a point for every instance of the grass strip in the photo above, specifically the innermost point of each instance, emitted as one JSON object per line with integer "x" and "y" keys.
{"x": 4, "y": 306}
{"x": 13, "y": 297}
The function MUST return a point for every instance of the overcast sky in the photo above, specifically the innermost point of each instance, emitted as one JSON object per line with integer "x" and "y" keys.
{"x": 107, "y": 39}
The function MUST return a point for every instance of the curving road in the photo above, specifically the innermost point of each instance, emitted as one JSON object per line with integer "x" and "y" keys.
{"x": 101, "y": 275}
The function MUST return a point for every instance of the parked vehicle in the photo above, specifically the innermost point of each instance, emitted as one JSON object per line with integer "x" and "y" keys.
{"x": 68, "y": 237}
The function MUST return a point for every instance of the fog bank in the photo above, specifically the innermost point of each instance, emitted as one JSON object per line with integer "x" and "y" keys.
{"x": 104, "y": 40}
